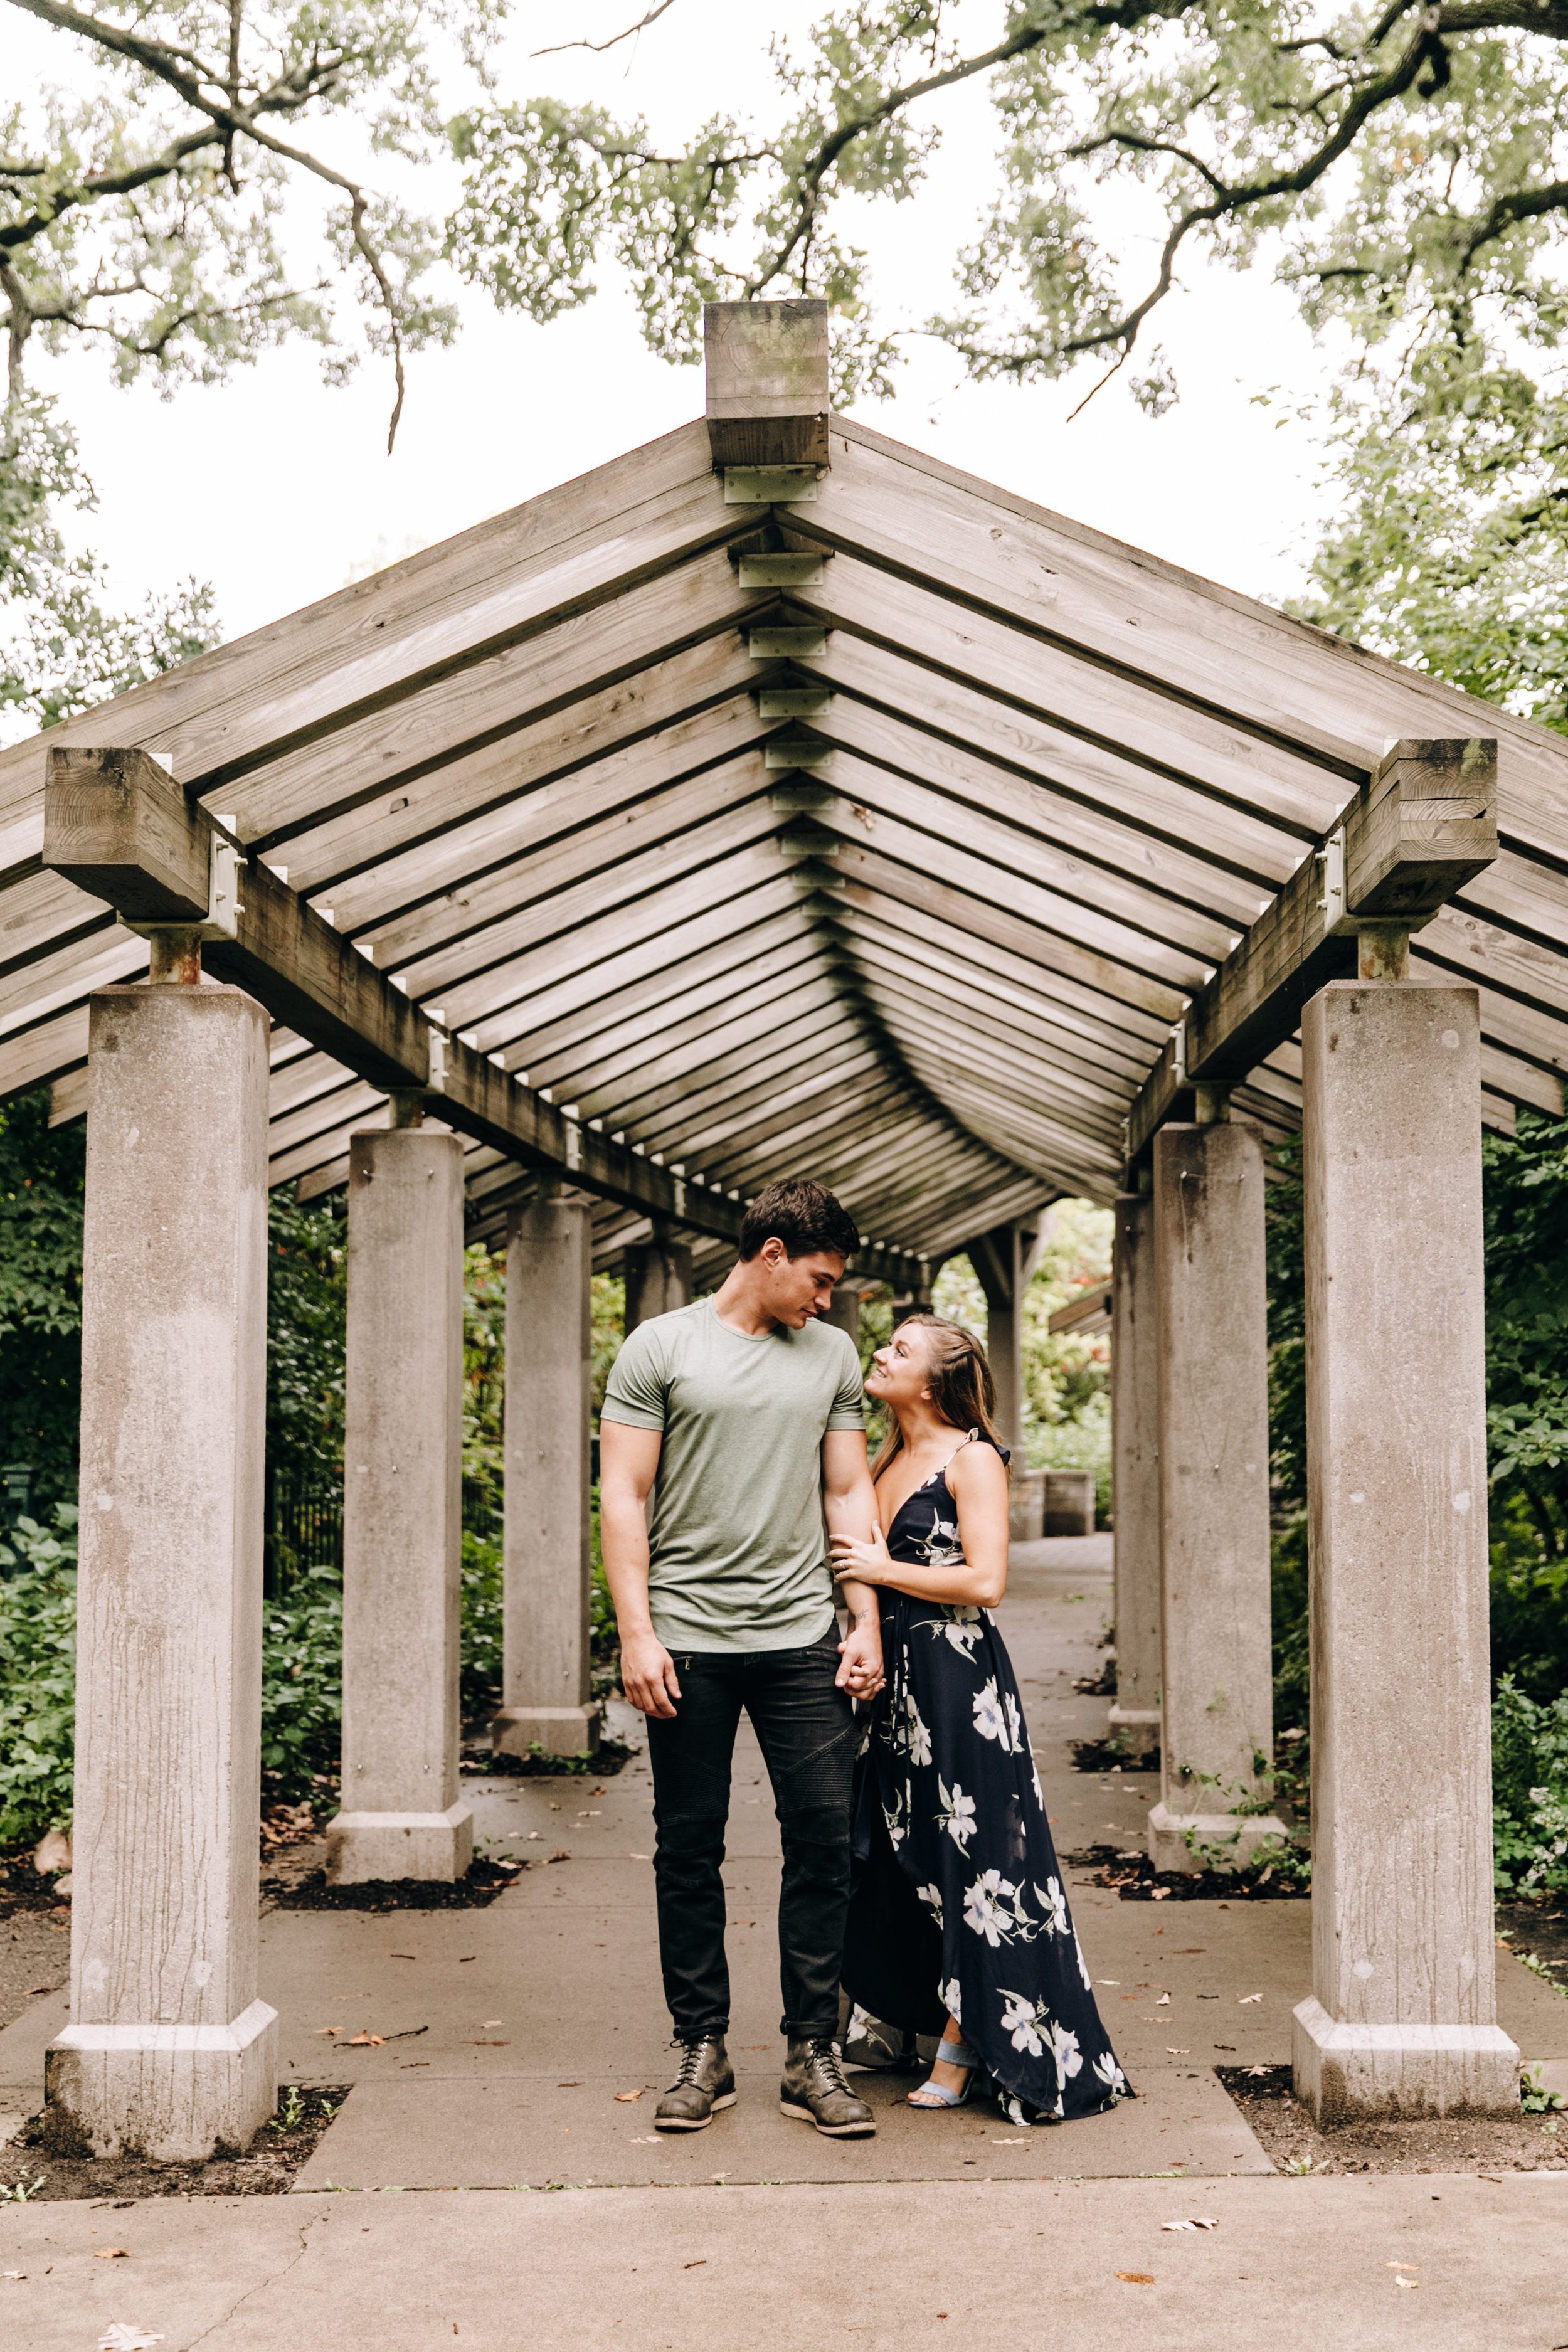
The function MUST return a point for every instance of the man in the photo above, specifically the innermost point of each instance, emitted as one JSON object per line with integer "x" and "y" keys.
{"x": 742, "y": 1416}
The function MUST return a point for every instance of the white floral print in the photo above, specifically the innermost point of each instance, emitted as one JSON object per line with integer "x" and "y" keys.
{"x": 952, "y": 2001}
{"x": 1018, "y": 2023}
{"x": 985, "y": 1912}
{"x": 931, "y": 1897}
{"x": 990, "y": 1719}
{"x": 957, "y": 1814}
{"x": 1053, "y": 1903}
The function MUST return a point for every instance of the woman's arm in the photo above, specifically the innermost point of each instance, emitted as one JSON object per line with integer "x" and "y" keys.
{"x": 977, "y": 1481}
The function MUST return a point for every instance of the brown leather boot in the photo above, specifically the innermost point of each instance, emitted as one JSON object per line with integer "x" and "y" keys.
{"x": 704, "y": 2083}
{"x": 813, "y": 2091}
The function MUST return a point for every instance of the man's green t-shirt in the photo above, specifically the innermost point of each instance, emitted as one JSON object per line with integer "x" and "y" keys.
{"x": 738, "y": 1557}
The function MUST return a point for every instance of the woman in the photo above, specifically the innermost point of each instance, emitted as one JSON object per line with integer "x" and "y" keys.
{"x": 958, "y": 1922}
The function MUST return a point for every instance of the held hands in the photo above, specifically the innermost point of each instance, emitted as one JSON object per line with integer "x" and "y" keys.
{"x": 860, "y": 1674}
{"x": 647, "y": 1674}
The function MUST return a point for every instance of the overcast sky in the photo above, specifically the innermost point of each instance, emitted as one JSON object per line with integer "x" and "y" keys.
{"x": 275, "y": 489}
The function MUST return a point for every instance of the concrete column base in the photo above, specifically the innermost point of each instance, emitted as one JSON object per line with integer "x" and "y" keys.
{"x": 362, "y": 1846}
{"x": 1138, "y": 1728}
{"x": 1350, "y": 2069}
{"x": 558, "y": 1731}
{"x": 1239, "y": 1834}
{"x": 174, "y": 2093}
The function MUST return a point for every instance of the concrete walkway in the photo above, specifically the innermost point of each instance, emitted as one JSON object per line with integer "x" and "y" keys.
{"x": 511, "y": 2030}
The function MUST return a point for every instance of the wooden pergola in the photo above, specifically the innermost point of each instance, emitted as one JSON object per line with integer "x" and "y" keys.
{"x": 778, "y": 799}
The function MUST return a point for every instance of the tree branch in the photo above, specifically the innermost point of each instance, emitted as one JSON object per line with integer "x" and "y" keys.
{"x": 231, "y": 120}
{"x": 615, "y": 40}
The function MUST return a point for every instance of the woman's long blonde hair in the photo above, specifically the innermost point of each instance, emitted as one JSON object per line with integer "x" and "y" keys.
{"x": 960, "y": 1381}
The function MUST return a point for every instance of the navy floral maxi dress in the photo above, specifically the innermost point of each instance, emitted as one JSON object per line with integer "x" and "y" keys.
{"x": 958, "y": 1902}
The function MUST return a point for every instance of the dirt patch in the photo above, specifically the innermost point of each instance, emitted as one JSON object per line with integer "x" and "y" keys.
{"x": 268, "y": 2168}
{"x": 484, "y": 1882}
{"x": 1105, "y": 1755}
{"x": 1475, "y": 2143}
{"x": 1136, "y": 1879}
{"x": 1538, "y": 1936}
{"x": 35, "y": 1937}
{"x": 610, "y": 1757}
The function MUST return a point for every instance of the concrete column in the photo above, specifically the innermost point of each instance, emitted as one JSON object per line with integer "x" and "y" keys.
{"x": 402, "y": 1816}
{"x": 1135, "y": 1474}
{"x": 1403, "y": 2016}
{"x": 549, "y": 1346}
{"x": 845, "y": 1311}
{"x": 169, "y": 2053}
{"x": 998, "y": 1260}
{"x": 658, "y": 1278}
{"x": 1217, "y": 1687}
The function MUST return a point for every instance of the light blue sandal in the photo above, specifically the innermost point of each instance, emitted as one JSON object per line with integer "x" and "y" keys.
{"x": 949, "y": 2053}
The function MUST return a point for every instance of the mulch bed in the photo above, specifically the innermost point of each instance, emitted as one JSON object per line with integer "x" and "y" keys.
{"x": 610, "y": 1757}
{"x": 1136, "y": 1879}
{"x": 1488, "y": 2145}
{"x": 268, "y": 2168}
{"x": 1105, "y": 1755}
{"x": 484, "y": 1882}
{"x": 1538, "y": 1933}
{"x": 21, "y": 1889}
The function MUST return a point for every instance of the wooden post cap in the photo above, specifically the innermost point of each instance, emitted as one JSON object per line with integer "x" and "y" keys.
{"x": 767, "y": 381}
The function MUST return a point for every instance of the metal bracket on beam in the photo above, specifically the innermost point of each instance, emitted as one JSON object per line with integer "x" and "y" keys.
{"x": 793, "y": 701}
{"x": 770, "y": 486}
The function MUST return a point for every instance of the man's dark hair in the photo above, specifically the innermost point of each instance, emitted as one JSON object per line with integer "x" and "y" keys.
{"x": 803, "y": 1216}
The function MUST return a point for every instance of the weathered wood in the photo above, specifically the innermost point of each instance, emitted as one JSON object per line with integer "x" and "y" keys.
{"x": 116, "y": 824}
{"x": 1428, "y": 826}
{"x": 1255, "y": 1000}
{"x": 767, "y": 383}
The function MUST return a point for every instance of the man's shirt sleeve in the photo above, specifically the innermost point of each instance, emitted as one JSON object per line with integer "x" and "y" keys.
{"x": 636, "y": 1391}
{"x": 849, "y": 1404}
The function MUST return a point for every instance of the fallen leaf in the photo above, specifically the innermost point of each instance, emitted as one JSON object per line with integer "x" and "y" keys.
{"x": 16, "y": 2274}
{"x": 487, "y": 2023}
{"x": 700, "y": 2264}
{"x": 1115, "y": 1980}
{"x": 1247, "y": 1999}
{"x": 327, "y": 2029}
{"x": 628, "y": 2098}
{"x": 1019, "y": 2139}
{"x": 33, "y": 1988}
{"x": 1156, "y": 1894}
{"x": 118, "y": 2337}
{"x": 1137, "y": 2278}
{"x": 1177, "y": 2053}
{"x": 365, "y": 2042}
{"x": 1163, "y": 2001}
{"x": 1413, "y": 2283}
{"x": 1257, "y": 2069}
{"x": 560, "y": 1855}
{"x": 639, "y": 1857}
{"x": 112, "y": 2253}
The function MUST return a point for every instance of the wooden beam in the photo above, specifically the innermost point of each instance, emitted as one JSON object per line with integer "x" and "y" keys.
{"x": 1424, "y": 824}
{"x": 767, "y": 383}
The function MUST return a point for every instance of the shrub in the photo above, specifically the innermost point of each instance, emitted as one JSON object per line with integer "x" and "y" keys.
{"x": 38, "y": 1677}
{"x": 1530, "y": 1791}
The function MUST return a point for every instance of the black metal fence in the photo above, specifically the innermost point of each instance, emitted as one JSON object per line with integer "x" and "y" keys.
{"x": 305, "y": 1526}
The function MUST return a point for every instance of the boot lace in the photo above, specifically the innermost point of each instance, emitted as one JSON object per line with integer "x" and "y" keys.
{"x": 823, "y": 2060}
{"x": 690, "y": 2059}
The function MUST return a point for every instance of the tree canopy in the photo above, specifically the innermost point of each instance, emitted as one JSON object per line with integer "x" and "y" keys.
{"x": 1404, "y": 171}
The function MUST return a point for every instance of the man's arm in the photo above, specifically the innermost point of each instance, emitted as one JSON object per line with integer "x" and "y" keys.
{"x": 628, "y": 1465}
{"x": 849, "y": 1505}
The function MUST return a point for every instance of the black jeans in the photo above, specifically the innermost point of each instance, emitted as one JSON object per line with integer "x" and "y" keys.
{"x": 806, "y": 1729}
